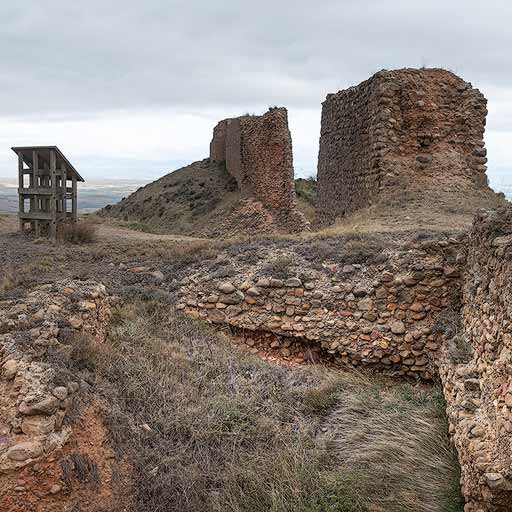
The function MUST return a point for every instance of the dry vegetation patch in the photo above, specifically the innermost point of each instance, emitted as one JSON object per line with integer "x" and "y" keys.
{"x": 395, "y": 439}
{"x": 208, "y": 427}
{"x": 81, "y": 232}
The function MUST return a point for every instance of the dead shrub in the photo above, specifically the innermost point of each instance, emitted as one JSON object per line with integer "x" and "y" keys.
{"x": 447, "y": 324}
{"x": 459, "y": 350}
{"x": 362, "y": 249}
{"x": 280, "y": 266}
{"x": 80, "y": 467}
{"x": 79, "y": 232}
{"x": 77, "y": 351}
{"x": 8, "y": 280}
{"x": 323, "y": 398}
{"x": 14, "y": 279}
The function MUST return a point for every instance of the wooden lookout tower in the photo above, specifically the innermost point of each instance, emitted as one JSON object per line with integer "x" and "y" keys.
{"x": 47, "y": 188}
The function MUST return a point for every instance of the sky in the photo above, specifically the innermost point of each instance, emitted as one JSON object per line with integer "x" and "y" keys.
{"x": 132, "y": 90}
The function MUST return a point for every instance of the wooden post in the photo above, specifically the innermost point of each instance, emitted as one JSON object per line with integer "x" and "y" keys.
{"x": 34, "y": 207}
{"x": 63, "y": 196}
{"x": 21, "y": 199}
{"x": 74, "y": 205}
{"x": 53, "y": 197}
{"x": 46, "y": 183}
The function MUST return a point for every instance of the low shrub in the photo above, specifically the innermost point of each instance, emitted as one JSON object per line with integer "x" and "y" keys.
{"x": 459, "y": 350}
{"x": 280, "y": 266}
{"x": 8, "y": 279}
{"x": 79, "y": 232}
{"x": 362, "y": 249}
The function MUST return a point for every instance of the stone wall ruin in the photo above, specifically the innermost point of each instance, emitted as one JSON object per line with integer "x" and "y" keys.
{"x": 397, "y": 130}
{"x": 257, "y": 152}
{"x": 431, "y": 309}
{"x": 476, "y": 367}
{"x": 379, "y": 316}
{"x": 32, "y": 408}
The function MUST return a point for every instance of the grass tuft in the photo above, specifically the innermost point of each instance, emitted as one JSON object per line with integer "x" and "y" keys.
{"x": 79, "y": 232}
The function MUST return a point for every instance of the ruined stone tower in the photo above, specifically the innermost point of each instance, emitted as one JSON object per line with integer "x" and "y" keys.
{"x": 397, "y": 128}
{"x": 257, "y": 151}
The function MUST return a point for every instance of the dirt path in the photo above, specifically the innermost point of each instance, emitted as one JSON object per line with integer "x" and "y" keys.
{"x": 108, "y": 232}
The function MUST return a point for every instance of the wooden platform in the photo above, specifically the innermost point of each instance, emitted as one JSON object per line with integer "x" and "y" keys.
{"x": 49, "y": 173}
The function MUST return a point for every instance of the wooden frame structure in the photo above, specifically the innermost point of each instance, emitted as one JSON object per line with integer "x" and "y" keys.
{"x": 47, "y": 181}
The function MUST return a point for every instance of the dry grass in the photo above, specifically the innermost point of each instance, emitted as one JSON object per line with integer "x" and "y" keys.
{"x": 416, "y": 209}
{"x": 80, "y": 232}
{"x": 8, "y": 279}
{"x": 21, "y": 276}
{"x": 396, "y": 441}
{"x": 210, "y": 429}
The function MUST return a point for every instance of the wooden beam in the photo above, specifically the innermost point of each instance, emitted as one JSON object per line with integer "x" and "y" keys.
{"x": 33, "y": 191}
{"x": 38, "y": 172}
{"x": 35, "y": 215}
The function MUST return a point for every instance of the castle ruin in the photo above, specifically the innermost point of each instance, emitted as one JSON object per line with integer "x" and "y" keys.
{"x": 394, "y": 129}
{"x": 257, "y": 152}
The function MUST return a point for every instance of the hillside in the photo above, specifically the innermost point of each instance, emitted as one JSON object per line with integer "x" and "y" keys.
{"x": 181, "y": 201}
{"x": 202, "y": 199}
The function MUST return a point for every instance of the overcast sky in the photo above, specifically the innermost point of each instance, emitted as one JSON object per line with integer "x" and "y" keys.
{"x": 132, "y": 89}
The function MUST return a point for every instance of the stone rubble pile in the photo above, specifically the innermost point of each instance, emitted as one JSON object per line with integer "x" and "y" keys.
{"x": 32, "y": 406}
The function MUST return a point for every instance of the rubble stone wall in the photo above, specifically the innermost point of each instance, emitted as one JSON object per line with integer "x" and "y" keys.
{"x": 32, "y": 406}
{"x": 476, "y": 367}
{"x": 218, "y": 143}
{"x": 380, "y": 316}
{"x": 394, "y": 129}
{"x": 257, "y": 151}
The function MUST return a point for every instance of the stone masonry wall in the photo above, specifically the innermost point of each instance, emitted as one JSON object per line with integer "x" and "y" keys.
{"x": 397, "y": 128}
{"x": 476, "y": 368}
{"x": 218, "y": 143}
{"x": 380, "y": 315}
{"x": 32, "y": 407}
{"x": 257, "y": 151}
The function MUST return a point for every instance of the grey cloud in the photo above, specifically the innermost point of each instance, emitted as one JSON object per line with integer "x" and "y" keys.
{"x": 82, "y": 57}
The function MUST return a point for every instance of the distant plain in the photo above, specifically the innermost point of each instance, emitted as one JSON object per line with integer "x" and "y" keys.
{"x": 91, "y": 197}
